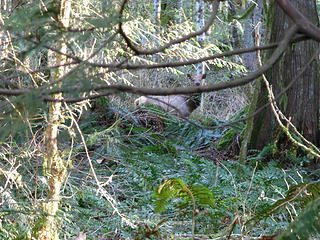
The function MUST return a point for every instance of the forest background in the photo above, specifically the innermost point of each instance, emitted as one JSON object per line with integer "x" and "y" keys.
{"x": 80, "y": 161}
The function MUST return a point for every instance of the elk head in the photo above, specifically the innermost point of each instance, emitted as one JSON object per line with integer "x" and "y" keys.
{"x": 197, "y": 78}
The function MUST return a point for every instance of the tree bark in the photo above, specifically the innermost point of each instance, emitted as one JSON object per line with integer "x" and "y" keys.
{"x": 234, "y": 32}
{"x": 180, "y": 10}
{"x": 253, "y": 35}
{"x": 54, "y": 165}
{"x": 157, "y": 11}
{"x": 250, "y": 59}
{"x": 301, "y": 101}
{"x": 200, "y": 24}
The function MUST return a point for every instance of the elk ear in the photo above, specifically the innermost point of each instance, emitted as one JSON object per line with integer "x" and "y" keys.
{"x": 189, "y": 76}
{"x": 204, "y": 76}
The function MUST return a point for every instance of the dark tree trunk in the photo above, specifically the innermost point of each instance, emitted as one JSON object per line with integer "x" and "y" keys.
{"x": 235, "y": 36}
{"x": 301, "y": 101}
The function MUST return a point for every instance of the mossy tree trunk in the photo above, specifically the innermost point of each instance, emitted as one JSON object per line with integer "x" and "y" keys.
{"x": 54, "y": 165}
{"x": 251, "y": 63}
{"x": 301, "y": 102}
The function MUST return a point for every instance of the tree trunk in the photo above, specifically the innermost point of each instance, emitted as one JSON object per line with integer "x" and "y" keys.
{"x": 253, "y": 35}
{"x": 235, "y": 38}
{"x": 250, "y": 59}
{"x": 180, "y": 10}
{"x": 157, "y": 21}
{"x": 157, "y": 11}
{"x": 54, "y": 165}
{"x": 301, "y": 101}
{"x": 200, "y": 38}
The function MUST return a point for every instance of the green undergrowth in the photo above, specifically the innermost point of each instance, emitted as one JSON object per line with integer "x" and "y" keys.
{"x": 141, "y": 160}
{"x": 159, "y": 187}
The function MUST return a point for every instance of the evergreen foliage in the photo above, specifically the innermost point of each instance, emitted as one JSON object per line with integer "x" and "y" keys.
{"x": 175, "y": 188}
{"x": 134, "y": 167}
{"x": 307, "y": 225}
{"x": 167, "y": 181}
{"x": 301, "y": 194}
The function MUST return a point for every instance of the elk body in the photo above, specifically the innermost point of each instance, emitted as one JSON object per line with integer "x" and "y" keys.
{"x": 181, "y": 105}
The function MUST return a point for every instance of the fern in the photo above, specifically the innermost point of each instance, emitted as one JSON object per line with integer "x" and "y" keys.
{"x": 175, "y": 188}
{"x": 237, "y": 129}
{"x": 226, "y": 139}
{"x": 188, "y": 135}
{"x": 301, "y": 194}
{"x": 306, "y": 224}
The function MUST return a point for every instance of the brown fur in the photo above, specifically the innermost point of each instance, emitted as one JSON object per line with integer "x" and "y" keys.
{"x": 181, "y": 105}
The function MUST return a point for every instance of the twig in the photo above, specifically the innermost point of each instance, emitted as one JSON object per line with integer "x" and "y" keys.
{"x": 100, "y": 189}
{"x": 312, "y": 149}
{"x": 173, "y": 42}
{"x": 303, "y": 23}
{"x": 114, "y": 89}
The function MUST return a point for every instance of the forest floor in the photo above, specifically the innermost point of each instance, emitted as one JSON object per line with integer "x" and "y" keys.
{"x": 162, "y": 177}
{"x": 141, "y": 152}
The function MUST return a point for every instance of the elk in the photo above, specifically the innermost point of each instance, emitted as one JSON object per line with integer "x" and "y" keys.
{"x": 181, "y": 105}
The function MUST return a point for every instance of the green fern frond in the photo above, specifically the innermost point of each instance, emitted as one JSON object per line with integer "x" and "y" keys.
{"x": 226, "y": 139}
{"x": 305, "y": 192}
{"x": 302, "y": 194}
{"x": 202, "y": 195}
{"x": 170, "y": 189}
{"x": 175, "y": 188}
{"x": 306, "y": 224}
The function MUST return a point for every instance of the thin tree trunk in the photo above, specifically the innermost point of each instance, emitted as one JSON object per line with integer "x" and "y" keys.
{"x": 54, "y": 165}
{"x": 201, "y": 38}
{"x": 157, "y": 21}
{"x": 180, "y": 10}
{"x": 250, "y": 59}
{"x": 157, "y": 11}
{"x": 200, "y": 24}
{"x": 235, "y": 38}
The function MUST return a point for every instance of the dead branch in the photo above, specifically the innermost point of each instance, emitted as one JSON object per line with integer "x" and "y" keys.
{"x": 303, "y": 23}
{"x": 114, "y": 89}
{"x": 138, "y": 51}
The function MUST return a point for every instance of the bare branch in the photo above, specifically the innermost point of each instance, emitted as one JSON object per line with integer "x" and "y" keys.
{"x": 114, "y": 89}
{"x": 13, "y": 92}
{"x": 115, "y": 67}
{"x": 173, "y": 42}
{"x": 219, "y": 86}
{"x": 306, "y": 145}
{"x": 183, "y": 63}
{"x": 304, "y": 24}
{"x": 75, "y": 58}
